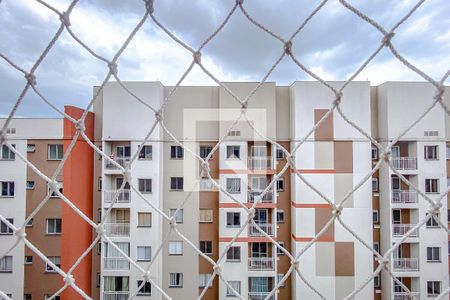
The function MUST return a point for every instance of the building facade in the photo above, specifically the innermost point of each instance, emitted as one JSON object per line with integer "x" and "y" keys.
{"x": 167, "y": 178}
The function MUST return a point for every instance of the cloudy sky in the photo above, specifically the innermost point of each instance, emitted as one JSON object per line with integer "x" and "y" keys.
{"x": 333, "y": 44}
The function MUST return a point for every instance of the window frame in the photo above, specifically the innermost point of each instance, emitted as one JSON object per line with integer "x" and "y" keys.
{"x": 204, "y": 245}
{"x": 8, "y": 230}
{"x": 8, "y": 184}
{"x": 433, "y": 282}
{"x": 28, "y": 261}
{"x": 376, "y": 213}
{"x": 430, "y": 185}
{"x": 179, "y": 181}
{"x": 375, "y": 181}
{"x": 277, "y": 152}
{"x": 180, "y": 248}
{"x": 55, "y": 226}
{"x": 31, "y": 148}
{"x": 145, "y": 214}
{"x": 211, "y": 211}
{"x": 179, "y": 218}
{"x": 176, "y": 152}
{"x": 431, "y": 222}
{"x": 145, "y": 248}
{"x": 5, "y": 258}
{"x": 434, "y": 152}
{"x": 230, "y": 293}
{"x": 178, "y": 282}
{"x": 283, "y": 213}
{"x": 11, "y": 156}
{"x": 143, "y": 155}
{"x": 233, "y": 254}
{"x": 374, "y": 153}
{"x": 207, "y": 147}
{"x": 280, "y": 180}
{"x": 203, "y": 281}
{"x": 432, "y": 259}
{"x": 145, "y": 286}
{"x": 233, "y": 152}
{"x": 48, "y": 268}
{"x": 232, "y": 224}
{"x": 143, "y": 186}
{"x": 230, "y": 185}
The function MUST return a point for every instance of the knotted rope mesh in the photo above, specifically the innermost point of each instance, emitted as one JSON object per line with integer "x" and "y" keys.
{"x": 150, "y": 15}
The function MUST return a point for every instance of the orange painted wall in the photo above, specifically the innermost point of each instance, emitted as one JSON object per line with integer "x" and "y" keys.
{"x": 77, "y": 186}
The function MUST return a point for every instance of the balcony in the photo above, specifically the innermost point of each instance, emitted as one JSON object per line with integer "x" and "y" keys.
{"x": 404, "y": 163}
{"x": 404, "y": 196}
{"x": 122, "y": 161}
{"x": 256, "y": 195}
{"x": 406, "y": 296}
{"x": 116, "y": 295}
{"x": 267, "y": 228}
{"x": 116, "y": 263}
{"x": 117, "y": 229}
{"x": 123, "y": 197}
{"x": 405, "y": 264}
{"x": 260, "y": 163}
{"x": 399, "y": 230}
{"x": 259, "y": 296}
{"x": 261, "y": 263}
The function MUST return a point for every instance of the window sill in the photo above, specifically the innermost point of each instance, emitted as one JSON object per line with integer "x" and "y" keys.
{"x": 7, "y": 159}
{"x": 434, "y": 261}
{"x": 53, "y": 234}
{"x": 176, "y": 286}
{"x": 7, "y": 233}
{"x": 143, "y": 260}
{"x": 148, "y": 295}
{"x": 233, "y": 260}
{"x": 5, "y": 196}
{"x": 206, "y": 222}
{"x": 176, "y": 190}
{"x": 54, "y": 159}
{"x": 233, "y": 226}
{"x": 176, "y": 254}
{"x": 143, "y": 226}
{"x": 145, "y": 159}
{"x": 6, "y": 271}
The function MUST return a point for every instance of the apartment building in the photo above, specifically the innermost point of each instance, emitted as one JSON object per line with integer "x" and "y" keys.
{"x": 167, "y": 177}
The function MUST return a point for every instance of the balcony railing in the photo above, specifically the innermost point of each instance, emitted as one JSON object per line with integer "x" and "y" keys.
{"x": 260, "y": 163}
{"x": 267, "y": 228}
{"x": 404, "y": 196}
{"x": 401, "y": 229}
{"x": 116, "y": 295}
{"x": 406, "y": 296}
{"x": 256, "y": 195}
{"x": 117, "y": 229}
{"x": 123, "y": 197}
{"x": 404, "y": 163}
{"x": 406, "y": 264}
{"x": 116, "y": 263}
{"x": 122, "y": 161}
{"x": 261, "y": 263}
{"x": 259, "y": 296}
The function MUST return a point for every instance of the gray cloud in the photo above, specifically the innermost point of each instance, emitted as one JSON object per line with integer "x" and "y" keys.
{"x": 334, "y": 44}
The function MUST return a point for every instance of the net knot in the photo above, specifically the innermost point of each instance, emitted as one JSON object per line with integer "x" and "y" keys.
{"x": 217, "y": 269}
{"x": 69, "y": 279}
{"x": 80, "y": 125}
{"x": 337, "y": 210}
{"x": 64, "y": 18}
{"x": 31, "y": 79}
{"x": 54, "y": 186}
{"x": 159, "y": 116}
{"x": 197, "y": 57}
{"x": 172, "y": 222}
{"x": 239, "y": 2}
{"x": 251, "y": 214}
{"x": 149, "y": 6}
{"x": 290, "y": 159}
{"x": 383, "y": 261}
{"x": 3, "y": 137}
{"x": 112, "y": 67}
{"x": 244, "y": 105}
{"x": 435, "y": 208}
{"x": 127, "y": 176}
{"x": 295, "y": 263}
{"x": 20, "y": 233}
{"x": 439, "y": 93}
{"x": 288, "y": 48}
{"x": 386, "y": 154}
{"x": 147, "y": 276}
{"x": 387, "y": 39}
{"x": 338, "y": 99}
{"x": 205, "y": 167}
{"x": 101, "y": 231}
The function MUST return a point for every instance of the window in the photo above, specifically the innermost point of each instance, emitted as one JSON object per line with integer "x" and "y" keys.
{"x": 146, "y": 152}
{"x": 7, "y": 188}
{"x": 55, "y": 151}
{"x": 280, "y": 184}
{"x": 178, "y": 215}
{"x": 376, "y": 246}
{"x": 144, "y": 219}
{"x": 374, "y": 153}
{"x": 433, "y": 254}
{"x": 6, "y": 263}
{"x": 27, "y": 297}
{"x": 30, "y": 223}
{"x": 374, "y": 184}
{"x": 176, "y": 280}
{"x": 53, "y": 226}
{"x": 145, "y": 186}
{"x": 234, "y": 253}
{"x": 375, "y": 215}
{"x": 233, "y": 152}
{"x": 144, "y": 253}
{"x": 176, "y": 183}
{"x": 233, "y": 185}
{"x": 377, "y": 281}
{"x": 99, "y": 215}
{"x": 203, "y": 279}
{"x": 279, "y": 154}
{"x": 30, "y": 185}
{"x": 11, "y": 130}
{"x": 236, "y": 285}
{"x": 206, "y": 215}
{"x": 99, "y": 184}
{"x": 28, "y": 259}
{"x": 233, "y": 219}
{"x": 279, "y": 278}
{"x": 8, "y": 154}
{"x": 280, "y": 216}
{"x": 53, "y": 193}
{"x": 99, "y": 279}
{"x": 234, "y": 133}
{"x": 176, "y": 152}
{"x": 433, "y": 288}
{"x": 175, "y": 247}
{"x": 56, "y": 260}
{"x": 279, "y": 251}
{"x": 31, "y": 148}
{"x": 4, "y": 229}
{"x": 206, "y": 184}
{"x": 431, "y": 222}
{"x": 206, "y": 247}
{"x": 205, "y": 150}
{"x": 431, "y": 185}
{"x": 448, "y": 152}
{"x": 99, "y": 248}
{"x": 431, "y": 153}
{"x": 146, "y": 288}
